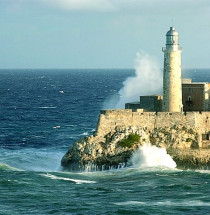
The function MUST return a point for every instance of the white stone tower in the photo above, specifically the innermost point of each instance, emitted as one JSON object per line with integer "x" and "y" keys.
{"x": 172, "y": 81}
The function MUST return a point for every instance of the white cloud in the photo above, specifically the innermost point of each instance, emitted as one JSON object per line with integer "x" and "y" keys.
{"x": 95, "y": 5}
{"x": 140, "y": 7}
{"x": 137, "y": 6}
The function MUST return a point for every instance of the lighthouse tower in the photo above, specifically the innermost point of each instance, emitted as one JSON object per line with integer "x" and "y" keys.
{"x": 172, "y": 86}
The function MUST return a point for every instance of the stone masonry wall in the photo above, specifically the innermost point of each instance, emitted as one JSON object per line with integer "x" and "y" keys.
{"x": 109, "y": 119}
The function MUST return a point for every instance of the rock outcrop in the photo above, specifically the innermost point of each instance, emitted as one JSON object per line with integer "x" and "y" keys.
{"x": 116, "y": 147}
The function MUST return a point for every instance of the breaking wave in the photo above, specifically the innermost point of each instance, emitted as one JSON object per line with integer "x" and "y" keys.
{"x": 152, "y": 156}
{"x": 77, "y": 181}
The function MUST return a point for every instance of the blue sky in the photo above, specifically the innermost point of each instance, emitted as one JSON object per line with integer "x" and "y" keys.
{"x": 100, "y": 33}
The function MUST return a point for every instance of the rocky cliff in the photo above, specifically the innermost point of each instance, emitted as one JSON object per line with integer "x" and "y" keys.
{"x": 115, "y": 146}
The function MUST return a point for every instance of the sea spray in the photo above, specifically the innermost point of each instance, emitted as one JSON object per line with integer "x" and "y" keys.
{"x": 147, "y": 80}
{"x": 152, "y": 156}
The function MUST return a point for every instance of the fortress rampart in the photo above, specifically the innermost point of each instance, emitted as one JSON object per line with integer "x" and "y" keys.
{"x": 185, "y": 135}
{"x": 109, "y": 119}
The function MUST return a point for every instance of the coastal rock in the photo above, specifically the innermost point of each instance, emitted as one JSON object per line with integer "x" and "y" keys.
{"x": 191, "y": 158}
{"x": 116, "y": 147}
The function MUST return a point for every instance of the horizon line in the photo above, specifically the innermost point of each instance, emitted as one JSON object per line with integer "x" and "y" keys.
{"x": 205, "y": 68}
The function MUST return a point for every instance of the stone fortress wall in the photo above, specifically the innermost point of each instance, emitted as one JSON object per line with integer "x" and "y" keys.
{"x": 109, "y": 119}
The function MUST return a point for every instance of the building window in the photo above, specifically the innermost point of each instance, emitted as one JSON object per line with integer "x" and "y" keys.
{"x": 205, "y": 136}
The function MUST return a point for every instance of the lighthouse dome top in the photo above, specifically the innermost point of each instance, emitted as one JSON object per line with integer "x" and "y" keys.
{"x": 172, "y": 32}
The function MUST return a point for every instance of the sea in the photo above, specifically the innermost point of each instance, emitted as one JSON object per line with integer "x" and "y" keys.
{"x": 42, "y": 113}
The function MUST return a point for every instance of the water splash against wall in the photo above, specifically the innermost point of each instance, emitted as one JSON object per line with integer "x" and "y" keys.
{"x": 147, "y": 80}
{"x": 152, "y": 156}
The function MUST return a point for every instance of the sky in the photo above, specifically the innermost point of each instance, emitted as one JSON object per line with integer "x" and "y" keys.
{"x": 63, "y": 34}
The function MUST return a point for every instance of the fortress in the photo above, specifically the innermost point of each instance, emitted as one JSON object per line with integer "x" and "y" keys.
{"x": 183, "y": 102}
{"x": 178, "y": 120}
{"x": 178, "y": 94}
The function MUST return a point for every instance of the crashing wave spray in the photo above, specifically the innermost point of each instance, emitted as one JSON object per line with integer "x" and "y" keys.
{"x": 152, "y": 156}
{"x": 147, "y": 80}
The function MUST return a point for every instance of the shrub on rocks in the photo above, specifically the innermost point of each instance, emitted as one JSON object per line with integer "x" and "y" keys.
{"x": 129, "y": 141}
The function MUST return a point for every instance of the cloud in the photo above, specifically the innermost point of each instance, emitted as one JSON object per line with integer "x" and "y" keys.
{"x": 134, "y": 6}
{"x": 139, "y": 7}
{"x": 93, "y": 5}
{"x": 158, "y": 6}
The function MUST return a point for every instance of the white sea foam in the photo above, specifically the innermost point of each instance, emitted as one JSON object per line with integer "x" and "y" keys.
{"x": 165, "y": 203}
{"x": 77, "y": 181}
{"x": 203, "y": 171}
{"x": 152, "y": 156}
{"x": 47, "y": 107}
{"x": 57, "y": 126}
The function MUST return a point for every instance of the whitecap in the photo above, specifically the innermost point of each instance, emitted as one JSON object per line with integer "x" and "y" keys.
{"x": 47, "y": 107}
{"x": 152, "y": 156}
{"x": 77, "y": 181}
{"x": 85, "y": 133}
{"x": 203, "y": 171}
{"x": 130, "y": 203}
{"x": 166, "y": 203}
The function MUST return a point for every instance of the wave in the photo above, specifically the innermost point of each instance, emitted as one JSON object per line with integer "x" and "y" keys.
{"x": 85, "y": 133}
{"x": 203, "y": 171}
{"x": 77, "y": 181}
{"x": 4, "y": 166}
{"x": 46, "y": 107}
{"x": 32, "y": 159}
{"x": 165, "y": 203}
{"x": 152, "y": 156}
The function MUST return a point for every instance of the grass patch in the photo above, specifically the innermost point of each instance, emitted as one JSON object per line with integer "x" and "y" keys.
{"x": 129, "y": 141}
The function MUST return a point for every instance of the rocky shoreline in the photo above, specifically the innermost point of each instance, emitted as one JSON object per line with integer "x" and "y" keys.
{"x": 191, "y": 158}
{"x": 116, "y": 147}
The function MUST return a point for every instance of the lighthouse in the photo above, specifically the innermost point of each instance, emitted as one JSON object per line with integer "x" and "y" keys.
{"x": 172, "y": 86}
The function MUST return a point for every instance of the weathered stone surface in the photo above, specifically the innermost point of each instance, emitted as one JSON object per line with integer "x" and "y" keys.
{"x": 109, "y": 119}
{"x": 103, "y": 150}
{"x": 189, "y": 158}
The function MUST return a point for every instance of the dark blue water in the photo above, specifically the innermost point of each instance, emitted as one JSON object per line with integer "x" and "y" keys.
{"x": 43, "y": 112}
{"x": 32, "y": 104}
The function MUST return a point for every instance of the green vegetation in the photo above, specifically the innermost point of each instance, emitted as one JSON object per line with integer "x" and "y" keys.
{"x": 129, "y": 141}
{"x": 188, "y": 140}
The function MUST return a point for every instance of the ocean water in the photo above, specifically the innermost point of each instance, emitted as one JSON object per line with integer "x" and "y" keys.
{"x": 43, "y": 112}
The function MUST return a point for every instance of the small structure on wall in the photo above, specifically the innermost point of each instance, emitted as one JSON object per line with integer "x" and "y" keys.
{"x": 195, "y": 95}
